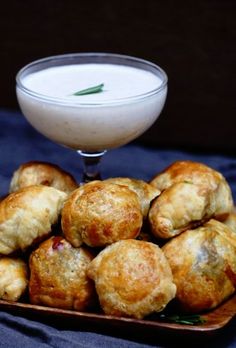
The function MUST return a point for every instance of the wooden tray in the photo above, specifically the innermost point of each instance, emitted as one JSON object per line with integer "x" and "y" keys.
{"x": 215, "y": 319}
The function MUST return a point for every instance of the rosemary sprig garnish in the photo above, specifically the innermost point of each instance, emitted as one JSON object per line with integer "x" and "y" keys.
{"x": 90, "y": 90}
{"x": 187, "y": 182}
{"x": 192, "y": 319}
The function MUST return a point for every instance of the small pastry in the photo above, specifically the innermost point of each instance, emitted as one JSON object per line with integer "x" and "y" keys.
{"x": 145, "y": 191}
{"x": 58, "y": 275}
{"x": 132, "y": 279}
{"x": 13, "y": 278}
{"x": 100, "y": 213}
{"x": 187, "y": 171}
{"x": 28, "y": 215}
{"x": 42, "y": 173}
{"x": 203, "y": 266}
{"x": 192, "y": 193}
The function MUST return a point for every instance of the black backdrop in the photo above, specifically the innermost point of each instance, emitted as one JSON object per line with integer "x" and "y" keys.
{"x": 194, "y": 41}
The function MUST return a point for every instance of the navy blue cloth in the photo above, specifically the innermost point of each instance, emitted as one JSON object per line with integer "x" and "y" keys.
{"x": 20, "y": 143}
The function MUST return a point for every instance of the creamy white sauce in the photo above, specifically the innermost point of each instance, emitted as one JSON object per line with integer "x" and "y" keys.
{"x": 119, "y": 81}
{"x": 78, "y": 122}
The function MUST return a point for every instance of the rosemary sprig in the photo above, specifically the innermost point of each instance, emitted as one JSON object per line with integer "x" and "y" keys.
{"x": 90, "y": 90}
{"x": 192, "y": 319}
{"x": 187, "y": 182}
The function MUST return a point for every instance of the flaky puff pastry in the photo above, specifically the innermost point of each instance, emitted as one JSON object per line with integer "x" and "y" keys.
{"x": 42, "y": 173}
{"x": 100, "y": 213}
{"x": 13, "y": 278}
{"x": 188, "y": 199}
{"x": 231, "y": 221}
{"x": 203, "y": 263}
{"x": 58, "y": 275}
{"x": 27, "y": 215}
{"x": 187, "y": 171}
{"x": 132, "y": 279}
{"x": 145, "y": 191}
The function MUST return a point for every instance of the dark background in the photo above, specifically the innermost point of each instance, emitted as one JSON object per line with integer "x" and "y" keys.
{"x": 193, "y": 41}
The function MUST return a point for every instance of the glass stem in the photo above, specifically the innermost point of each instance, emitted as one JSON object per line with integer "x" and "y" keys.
{"x": 91, "y": 162}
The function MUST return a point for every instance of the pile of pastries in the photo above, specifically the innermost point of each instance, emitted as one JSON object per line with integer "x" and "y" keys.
{"x": 128, "y": 246}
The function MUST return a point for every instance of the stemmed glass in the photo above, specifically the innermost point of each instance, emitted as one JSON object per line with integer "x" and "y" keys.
{"x": 91, "y": 102}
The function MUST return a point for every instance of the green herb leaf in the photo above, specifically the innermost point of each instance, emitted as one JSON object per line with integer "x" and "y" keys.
{"x": 90, "y": 90}
{"x": 183, "y": 319}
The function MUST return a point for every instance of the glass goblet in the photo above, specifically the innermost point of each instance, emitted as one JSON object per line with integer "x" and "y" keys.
{"x": 91, "y": 102}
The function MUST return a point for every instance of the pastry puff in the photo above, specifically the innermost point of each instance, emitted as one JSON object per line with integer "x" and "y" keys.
{"x": 42, "y": 173}
{"x": 203, "y": 264}
{"x": 58, "y": 275}
{"x": 187, "y": 171}
{"x": 231, "y": 221}
{"x": 27, "y": 215}
{"x": 145, "y": 191}
{"x": 132, "y": 279}
{"x": 188, "y": 199}
{"x": 100, "y": 213}
{"x": 13, "y": 278}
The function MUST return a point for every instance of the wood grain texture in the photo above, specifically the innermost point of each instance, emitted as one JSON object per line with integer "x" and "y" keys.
{"x": 216, "y": 320}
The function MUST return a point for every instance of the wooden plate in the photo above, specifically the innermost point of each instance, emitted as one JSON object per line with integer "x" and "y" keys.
{"x": 215, "y": 319}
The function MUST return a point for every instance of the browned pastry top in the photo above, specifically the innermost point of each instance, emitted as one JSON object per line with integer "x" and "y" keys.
{"x": 28, "y": 214}
{"x": 145, "y": 191}
{"x": 100, "y": 213}
{"x": 192, "y": 193}
{"x": 132, "y": 278}
{"x": 187, "y": 171}
{"x": 42, "y": 173}
{"x": 58, "y": 275}
{"x": 203, "y": 264}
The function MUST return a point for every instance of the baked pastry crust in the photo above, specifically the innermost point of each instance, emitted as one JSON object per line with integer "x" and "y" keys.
{"x": 187, "y": 171}
{"x": 100, "y": 213}
{"x": 203, "y": 265}
{"x": 192, "y": 193}
{"x": 145, "y": 191}
{"x": 58, "y": 275}
{"x": 13, "y": 278}
{"x": 132, "y": 279}
{"x": 42, "y": 173}
{"x": 231, "y": 221}
{"x": 27, "y": 215}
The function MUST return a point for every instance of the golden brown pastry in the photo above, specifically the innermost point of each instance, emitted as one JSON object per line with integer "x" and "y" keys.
{"x": 27, "y": 215}
{"x": 203, "y": 263}
{"x": 191, "y": 194}
{"x": 231, "y": 221}
{"x": 42, "y": 173}
{"x": 145, "y": 191}
{"x": 58, "y": 275}
{"x": 100, "y": 213}
{"x": 132, "y": 279}
{"x": 187, "y": 171}
{"x": 13, "y": 278}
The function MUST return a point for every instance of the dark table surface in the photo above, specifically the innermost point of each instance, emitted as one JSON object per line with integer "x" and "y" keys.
{"x": 20, "y": 143}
